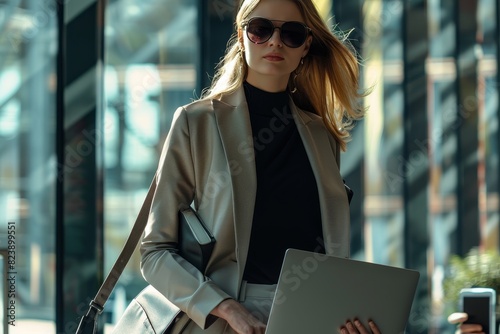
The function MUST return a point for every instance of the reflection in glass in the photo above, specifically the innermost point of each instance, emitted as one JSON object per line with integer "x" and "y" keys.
{"x": 28, "y": 170}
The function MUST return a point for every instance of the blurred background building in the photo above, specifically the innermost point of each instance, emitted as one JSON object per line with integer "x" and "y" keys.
{"x": 88, "y": 89}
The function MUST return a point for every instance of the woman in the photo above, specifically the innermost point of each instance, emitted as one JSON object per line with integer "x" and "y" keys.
{"x": 258, "y": 158}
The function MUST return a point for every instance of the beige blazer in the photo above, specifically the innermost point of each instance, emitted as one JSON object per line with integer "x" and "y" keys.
{"x": 208, "y": 162}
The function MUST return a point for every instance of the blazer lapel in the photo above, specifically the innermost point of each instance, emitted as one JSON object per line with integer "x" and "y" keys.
{"x": 235, "y": 131}
{"x": 333, "y": 200}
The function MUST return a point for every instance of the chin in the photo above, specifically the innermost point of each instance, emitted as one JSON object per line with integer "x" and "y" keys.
{"x": 277, "y": 72}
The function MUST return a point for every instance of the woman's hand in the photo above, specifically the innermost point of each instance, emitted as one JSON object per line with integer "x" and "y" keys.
{"x": 239, "y": 318}
{"x": 356, "y": 327}
{"x": 459, "y": 318}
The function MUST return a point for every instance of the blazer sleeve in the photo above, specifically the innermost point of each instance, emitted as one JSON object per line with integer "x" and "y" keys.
{"x": 161, "y": 265}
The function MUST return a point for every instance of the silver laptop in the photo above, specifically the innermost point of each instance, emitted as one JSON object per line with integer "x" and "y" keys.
{"x": 318, "y": 293}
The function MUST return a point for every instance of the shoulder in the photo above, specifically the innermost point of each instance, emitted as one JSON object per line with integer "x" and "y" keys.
{"x": 196, "y": 112}
{"x": 197, "y": 107}
{"x": 201, "y": 115}
{"x": 205, "y": 106}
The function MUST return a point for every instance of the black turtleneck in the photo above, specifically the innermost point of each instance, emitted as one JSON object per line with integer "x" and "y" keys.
{"x": 287, "y": 212}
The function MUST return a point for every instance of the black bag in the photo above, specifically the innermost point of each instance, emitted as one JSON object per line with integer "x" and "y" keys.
{"x": 196, "y": 242}
{"x": 150, "y": 311}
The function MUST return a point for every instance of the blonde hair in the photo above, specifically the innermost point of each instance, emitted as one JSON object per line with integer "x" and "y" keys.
{"x": 327, "y": 84}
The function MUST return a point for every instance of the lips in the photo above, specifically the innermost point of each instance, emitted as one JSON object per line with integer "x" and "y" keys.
{"x": 274, "y": 57}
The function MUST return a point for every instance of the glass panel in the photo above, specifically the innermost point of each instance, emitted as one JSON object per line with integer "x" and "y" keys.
{"x": 446, "y": 118}
{"x": 442, "y": 144}
{"x": 488, "y": 131}
{"x": 28, "y": 162}
{"x": 151, "y": 55}
{"x": 385, "y": 166}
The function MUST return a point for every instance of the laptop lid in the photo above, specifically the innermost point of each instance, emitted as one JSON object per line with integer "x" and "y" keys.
{"x": 317, "y": 293}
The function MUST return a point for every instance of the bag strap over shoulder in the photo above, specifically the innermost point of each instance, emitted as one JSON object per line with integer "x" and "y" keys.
{"x": 128, "y": 249}
{"x": 87, "y": 323}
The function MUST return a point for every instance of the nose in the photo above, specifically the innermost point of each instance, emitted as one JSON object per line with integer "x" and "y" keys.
{"x": 275, "y": 37}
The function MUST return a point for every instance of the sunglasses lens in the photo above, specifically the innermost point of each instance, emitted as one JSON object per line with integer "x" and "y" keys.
{"x": 259, "y": 30}
{"x": 293, "y": 34}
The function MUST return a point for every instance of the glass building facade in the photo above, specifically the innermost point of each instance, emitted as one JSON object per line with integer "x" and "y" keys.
{"x": 88, "y": 90}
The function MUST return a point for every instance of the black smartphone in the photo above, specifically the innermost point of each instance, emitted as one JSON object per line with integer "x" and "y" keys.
{"x": 479, "y": 304}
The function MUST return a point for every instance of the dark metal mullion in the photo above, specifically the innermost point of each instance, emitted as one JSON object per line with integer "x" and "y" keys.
{"x": 59, "y": 141}
{"x": 216, "y": 19}
{"x": 99, "y": 146}
{"x": 415, "y": 121}
{"x": 467, "y": 127}
{"x": 79, "y": 189}
{"x": 416, "y": 151}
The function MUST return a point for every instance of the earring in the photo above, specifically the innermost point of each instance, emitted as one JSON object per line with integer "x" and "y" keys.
{"x": 296, "y": 74}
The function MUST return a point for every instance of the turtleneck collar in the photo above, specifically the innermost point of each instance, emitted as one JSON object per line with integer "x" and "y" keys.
{"x": 262, "y": 102}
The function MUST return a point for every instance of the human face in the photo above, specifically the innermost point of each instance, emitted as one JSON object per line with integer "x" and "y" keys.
{"x": 271, "y": 62}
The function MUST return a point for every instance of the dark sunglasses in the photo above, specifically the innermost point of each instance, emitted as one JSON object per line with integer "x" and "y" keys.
{"x": 292, "y": 33}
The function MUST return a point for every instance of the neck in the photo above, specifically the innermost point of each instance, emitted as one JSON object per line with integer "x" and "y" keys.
{"x": 271, "y": 84}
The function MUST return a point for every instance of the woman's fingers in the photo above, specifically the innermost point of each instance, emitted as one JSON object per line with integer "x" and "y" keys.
{"x": 457, "y": 317}
{"x": 374, "y": 327}
{"x": 348, "y": 328}
{"x": 470, "y": 328}
{"x": 356, "y": 327}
